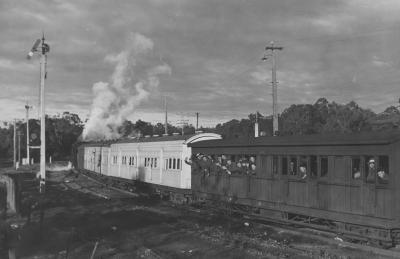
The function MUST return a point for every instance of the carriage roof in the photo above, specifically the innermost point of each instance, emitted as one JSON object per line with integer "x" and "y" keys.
{"x": 184, "y": 138}
{"x": 365, "y": 138}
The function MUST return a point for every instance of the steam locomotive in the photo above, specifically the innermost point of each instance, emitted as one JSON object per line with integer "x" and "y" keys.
{"x": 341, "y": 183}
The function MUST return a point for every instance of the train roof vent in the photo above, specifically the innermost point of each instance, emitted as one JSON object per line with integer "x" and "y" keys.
{"x": 165, "y": 135}
{"x": 175, "y": 134}
{"x": 147, "y": 136}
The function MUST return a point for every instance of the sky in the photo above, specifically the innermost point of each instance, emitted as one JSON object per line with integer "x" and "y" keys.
{"x": 204, "y": 56}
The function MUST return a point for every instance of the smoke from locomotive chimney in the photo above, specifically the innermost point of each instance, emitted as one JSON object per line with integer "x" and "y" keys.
{"x": 136, "y": 75}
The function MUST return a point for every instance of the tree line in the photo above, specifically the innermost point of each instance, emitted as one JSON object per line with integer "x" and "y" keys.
{"x": 62, "y": 131}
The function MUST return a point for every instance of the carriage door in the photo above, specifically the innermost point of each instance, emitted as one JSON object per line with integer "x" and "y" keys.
{"x": 94, "y": 161}
{"x": 284, "y": 179}
{"x": 337, "y": 187}
{"x": 368, "y": 189}
{"x": 312, "y": 182}
{"x": 376, "y": 191}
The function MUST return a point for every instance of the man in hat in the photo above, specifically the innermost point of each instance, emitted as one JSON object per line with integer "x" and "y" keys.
{"x": 371, "y": 170}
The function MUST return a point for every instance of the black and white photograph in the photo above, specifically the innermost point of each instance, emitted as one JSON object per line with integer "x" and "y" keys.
{"x": 168, "y": 129}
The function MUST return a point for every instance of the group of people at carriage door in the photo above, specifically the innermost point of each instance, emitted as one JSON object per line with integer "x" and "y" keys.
{"x": 372, "y": 172}
{"x": 246, "y": 165}
{"x": 223, "y": 164}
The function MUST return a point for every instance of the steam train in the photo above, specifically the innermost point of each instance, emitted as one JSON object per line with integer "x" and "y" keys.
{"x": 341, "y": 183}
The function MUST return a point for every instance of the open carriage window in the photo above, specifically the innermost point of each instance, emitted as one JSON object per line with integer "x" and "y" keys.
{"x": 324, "y": 166}
{"x": 284, "y": 166}
{"x": 293, "y": 166}
{"x": 356, "y": 168}
{"x": 313, "y": 166}
{"x": 370, "y": 168}
{"x": 303, "y": 167}
{"x": 275, "y": 160}
{"x": 383, "y": 169}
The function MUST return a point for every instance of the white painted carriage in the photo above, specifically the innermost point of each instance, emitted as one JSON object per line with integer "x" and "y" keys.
{"x": 155, "y": 160}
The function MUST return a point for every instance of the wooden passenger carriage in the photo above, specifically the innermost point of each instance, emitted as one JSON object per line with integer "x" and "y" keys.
{"x": 334, "y": 193}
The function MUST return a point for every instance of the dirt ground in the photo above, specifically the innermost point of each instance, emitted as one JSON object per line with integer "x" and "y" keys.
{"x": 79, "y": 217}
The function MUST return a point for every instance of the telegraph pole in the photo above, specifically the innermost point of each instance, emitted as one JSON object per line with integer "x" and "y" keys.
{"x": 166, "y": 116}
{"x": 184, "y": 123}
{"x": 272, "y": 48}
{"x": 43, "y": 61}
{"x": 27, "y": 107}
{"x": 197, "y": 121}
{"x": 256, "y": 131}
{"x": 42, "y": 50}
{"x": 19, "y": 146}
{"x": 15, "y": 143}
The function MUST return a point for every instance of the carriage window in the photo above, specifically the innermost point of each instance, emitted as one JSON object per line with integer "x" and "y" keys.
{"x": 370, "y": 168}
{"x": 383, "y": 169}
{"x": 284, "y": 166}
{"x": 275, "y": 165}
{"x": 293, "y": 166}
{"x": 313, "y": 166}
{"x": 155, "y": 163}
{"x": 133, "y": 160}
{"x": 178, "y": 164}
{"x": 166, "y": 164}
{"x": 232, "y": 158}
{"x": 324, "y": 166}
{"x": 303, "y": 166}
{"x": 170, "y": 163}
{"x": 264, "y": 161}
{"x": 247, "y": 160}
{"x": 356, "y": 168}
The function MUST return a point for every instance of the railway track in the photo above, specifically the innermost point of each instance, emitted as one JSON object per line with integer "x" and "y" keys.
{"x": 86, "y": 184}
{"x": 202, "y": 212}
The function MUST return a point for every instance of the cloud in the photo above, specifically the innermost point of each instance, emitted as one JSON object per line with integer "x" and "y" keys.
{"x": 213, "y": 49}
{"x": 9, "y": 64}
{"x": 380, "y": 63}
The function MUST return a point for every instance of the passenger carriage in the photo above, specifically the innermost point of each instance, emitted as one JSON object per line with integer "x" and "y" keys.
{"x": 156, "y": 160}
{"x": 94, "y": 157}
{"x": 327, "y": 181}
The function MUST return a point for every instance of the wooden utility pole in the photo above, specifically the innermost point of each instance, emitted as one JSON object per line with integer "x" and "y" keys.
{"x": 197, "y": 121}
{"x": 42, "y": 51}
{"x": 15, "y": 143}
{"x": 27, "y": 107}
{"x": 272, "y": 48}
{"x": 184, "y": 123}
{"x": 256, "y": 131}
{"x": 166, "y": 116}
{"x": 19, "y": 146}
{"x": 43, "y": 61}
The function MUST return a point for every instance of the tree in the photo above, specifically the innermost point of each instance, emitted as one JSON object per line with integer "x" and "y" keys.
{"x": 145, "y": 128}
{"x": 126, "y": 129}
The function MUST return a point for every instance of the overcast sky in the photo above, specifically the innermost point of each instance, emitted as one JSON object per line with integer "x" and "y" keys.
{"x": 342, "y": 50}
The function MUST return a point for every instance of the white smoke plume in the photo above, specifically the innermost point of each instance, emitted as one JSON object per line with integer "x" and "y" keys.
{"x": 135, "y": 76}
